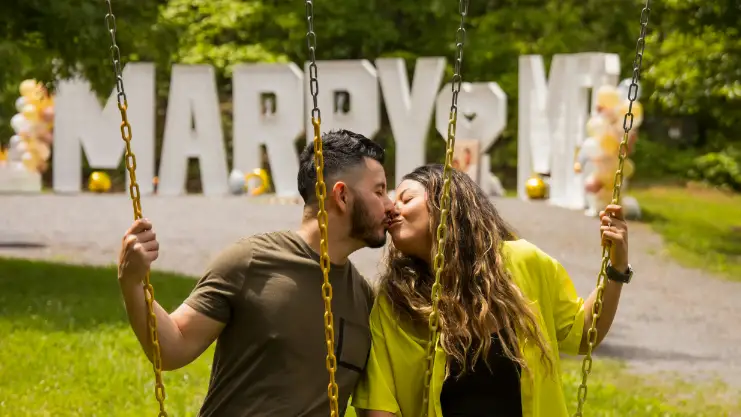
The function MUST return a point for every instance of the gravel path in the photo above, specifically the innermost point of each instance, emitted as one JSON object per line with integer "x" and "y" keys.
{"x": 671, "y": 318}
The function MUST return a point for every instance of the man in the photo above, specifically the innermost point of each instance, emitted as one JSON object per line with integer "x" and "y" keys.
{"x": 261, "y": 298}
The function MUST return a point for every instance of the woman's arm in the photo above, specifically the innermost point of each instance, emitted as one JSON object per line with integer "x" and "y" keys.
{"x": 615, "y": 231}
{"x": 610, "y": 301}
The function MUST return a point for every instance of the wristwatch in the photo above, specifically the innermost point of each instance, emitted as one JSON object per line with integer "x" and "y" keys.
{"x": 618, "y": 276}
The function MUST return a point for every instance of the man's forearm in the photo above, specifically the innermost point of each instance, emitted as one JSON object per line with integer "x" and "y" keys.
{"x": 168, "y": 334}
{"x": 610, "y": 301}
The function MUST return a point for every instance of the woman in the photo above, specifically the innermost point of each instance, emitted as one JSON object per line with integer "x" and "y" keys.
{"x": 507, "y": 310}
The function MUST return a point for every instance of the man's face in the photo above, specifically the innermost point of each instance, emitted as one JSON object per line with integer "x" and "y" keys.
{"x": 370, "y": 205}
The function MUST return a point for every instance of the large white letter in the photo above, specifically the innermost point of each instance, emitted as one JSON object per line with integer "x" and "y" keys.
{"x": 482, "y": 116}
{"x": 79, "y": 120}
{"x": 533, "y": 132}
{"x": 409, "y": 112}
{"x": 339, "y": 81}
{"x": 552, "y": 118}
{"x": 276, "y": 123}
{"x": 193, "y": 130}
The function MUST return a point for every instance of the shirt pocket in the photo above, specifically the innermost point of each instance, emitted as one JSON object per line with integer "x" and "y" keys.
{"x": 353, "y": 345}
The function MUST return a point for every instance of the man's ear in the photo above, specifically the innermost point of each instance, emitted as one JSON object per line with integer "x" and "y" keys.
{"x": 340, "y": 195}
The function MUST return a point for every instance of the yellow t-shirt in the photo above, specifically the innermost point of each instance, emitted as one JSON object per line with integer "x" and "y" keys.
{"x": 393, "y": 380}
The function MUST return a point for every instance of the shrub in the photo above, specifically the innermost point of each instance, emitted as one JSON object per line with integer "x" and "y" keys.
{"x": 721, "y": 169}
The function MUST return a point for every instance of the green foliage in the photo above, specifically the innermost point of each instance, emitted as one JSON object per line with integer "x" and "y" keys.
{"x": 67, "y": 350}
{"x": 658, "y": 161}
{"x": 721, "y": 169}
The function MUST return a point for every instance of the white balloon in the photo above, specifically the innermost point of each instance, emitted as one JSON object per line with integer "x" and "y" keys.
{"x": 19, "y": 103}
{"x": 236, "y": 182}
{"x": 19, "y": 147}
{"x": 15, "y": 140}
{"x": 14, "y": 155}
{"x": 590, "y": 148}
{"x": 19, "y": 123}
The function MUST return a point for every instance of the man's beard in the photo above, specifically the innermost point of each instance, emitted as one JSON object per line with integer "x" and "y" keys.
{"x": 363, "y": 227}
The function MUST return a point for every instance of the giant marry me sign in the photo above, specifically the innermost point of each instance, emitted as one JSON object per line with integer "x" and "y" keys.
{"x": 551, "y": 117}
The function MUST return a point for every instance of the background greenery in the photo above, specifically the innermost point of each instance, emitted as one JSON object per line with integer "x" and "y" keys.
{"x": 691, "y": 71}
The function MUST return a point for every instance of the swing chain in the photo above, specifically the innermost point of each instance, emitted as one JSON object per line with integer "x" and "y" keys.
{"x": 622, "y": 154}
{"x": 439, "y": 262}
{"x": 322, "y": 217}
{"x": 134, "y": 193}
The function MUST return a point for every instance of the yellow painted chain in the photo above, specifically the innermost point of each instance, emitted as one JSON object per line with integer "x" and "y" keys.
{"x": 322, "y": 218}
{"x": 159, "y": 387}
{"x": 442, "y": 228}
{"x": 622, "y": 153}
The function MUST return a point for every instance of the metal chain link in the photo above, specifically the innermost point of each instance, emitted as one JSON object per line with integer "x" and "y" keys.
{"x": 586, "y": 368}
{"x": 322, "y": 217}
{"x": 159, "y": 388}
{"x": 439, "y": 262}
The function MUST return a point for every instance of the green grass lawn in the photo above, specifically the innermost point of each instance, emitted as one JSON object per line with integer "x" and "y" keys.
{"x": 66, "y": 350}
{"x": 701, "y": 226}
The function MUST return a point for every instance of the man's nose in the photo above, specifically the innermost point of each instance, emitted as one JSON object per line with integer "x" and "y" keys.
{"x": 391, "y": 206}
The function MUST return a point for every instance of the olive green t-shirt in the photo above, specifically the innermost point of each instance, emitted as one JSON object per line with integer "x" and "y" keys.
{"x": 270, "y": 357}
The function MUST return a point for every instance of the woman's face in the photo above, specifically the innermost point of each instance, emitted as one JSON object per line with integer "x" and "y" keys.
{"x": 410, "y": 226}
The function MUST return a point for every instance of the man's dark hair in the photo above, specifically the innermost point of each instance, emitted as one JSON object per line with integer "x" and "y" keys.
{"x": 342, "y": 150}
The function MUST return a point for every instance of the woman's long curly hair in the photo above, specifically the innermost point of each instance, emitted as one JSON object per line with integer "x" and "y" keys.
{"x": 478, "y": 296}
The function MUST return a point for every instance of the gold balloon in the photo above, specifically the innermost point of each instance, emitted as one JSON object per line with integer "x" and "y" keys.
{"x": 609, "y": 144}
{"x": 637, "y": 111}
{"x": 264, "y": 178}
{"x": 608, "y": 97}
{"x": 42, "y": 150}
{"x": 535, "y": 187}
{"x": 605, "y": 174}
{"x": 30, "y": 112}
{"x": 27, "y": 88}
{"x": 99, "y": 182}
{"x": 29, "y": 161}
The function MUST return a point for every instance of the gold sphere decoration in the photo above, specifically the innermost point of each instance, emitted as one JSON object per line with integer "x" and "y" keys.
{"x": 99, "y": 182}
{"x": 264, "y": 178}
{"x": 535, "y": 187}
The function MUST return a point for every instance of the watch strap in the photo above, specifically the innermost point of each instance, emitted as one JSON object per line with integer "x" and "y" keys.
{"x": 618, "y": 276}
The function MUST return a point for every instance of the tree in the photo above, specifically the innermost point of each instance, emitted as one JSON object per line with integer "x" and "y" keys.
{"x": 48, "y": 40}
{"x": 695, "y": 65}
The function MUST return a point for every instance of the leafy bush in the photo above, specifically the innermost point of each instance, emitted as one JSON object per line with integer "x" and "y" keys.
{"x": 658, "y": 161}
{"x": 722, "y": 169}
